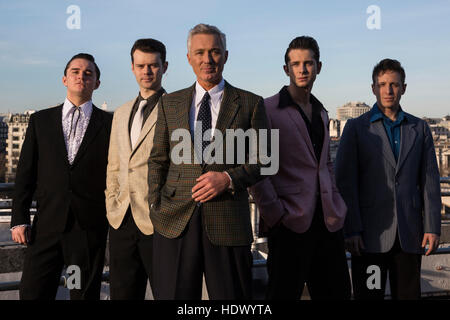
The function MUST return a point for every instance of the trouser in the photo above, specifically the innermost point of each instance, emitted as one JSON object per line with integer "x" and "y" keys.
{"x": 130, "y": 266}
{"x": 181, "y": 262}
{"x": 404, "y": 274}
{"x": 47, "y": 254}
{"x": 315, "y": 257}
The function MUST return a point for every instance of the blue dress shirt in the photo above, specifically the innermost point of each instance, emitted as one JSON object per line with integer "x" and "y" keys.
{"x": 392, "y": 127}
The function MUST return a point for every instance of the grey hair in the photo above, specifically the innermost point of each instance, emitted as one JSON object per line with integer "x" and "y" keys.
{"x": 203, "y": 28}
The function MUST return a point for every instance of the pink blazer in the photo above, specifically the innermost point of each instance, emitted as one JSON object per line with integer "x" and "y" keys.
{"x": 291, "y": 194}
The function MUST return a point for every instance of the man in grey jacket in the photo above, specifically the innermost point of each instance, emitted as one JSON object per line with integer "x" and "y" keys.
{"x": 387, "y": 173}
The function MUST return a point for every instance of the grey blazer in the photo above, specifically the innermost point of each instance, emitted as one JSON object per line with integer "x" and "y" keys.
{"x": 383, "y": 195}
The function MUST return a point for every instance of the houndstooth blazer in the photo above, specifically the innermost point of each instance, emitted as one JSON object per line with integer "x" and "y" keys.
{"x": 227, "y": 216}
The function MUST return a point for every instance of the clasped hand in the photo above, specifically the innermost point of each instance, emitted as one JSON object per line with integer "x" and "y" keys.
{"x": 210, "y": 185}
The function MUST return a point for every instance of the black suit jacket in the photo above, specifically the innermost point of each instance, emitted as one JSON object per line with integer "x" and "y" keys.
{"x": 60, "y": 187}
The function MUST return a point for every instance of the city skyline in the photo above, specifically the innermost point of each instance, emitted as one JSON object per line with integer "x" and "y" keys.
{"x": 36, "y": 43}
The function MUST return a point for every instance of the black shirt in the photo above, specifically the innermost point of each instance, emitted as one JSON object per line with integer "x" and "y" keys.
{"x": 315, "y": 126}
{"x": 148, "y": 108}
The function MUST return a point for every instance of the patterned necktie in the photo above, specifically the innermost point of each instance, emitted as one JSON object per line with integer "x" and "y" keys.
{"x": 75, "y": 118}
{"x": 74, "y": 141}
{"x": 136, "y": 126}
{"x": 204, "y": 115}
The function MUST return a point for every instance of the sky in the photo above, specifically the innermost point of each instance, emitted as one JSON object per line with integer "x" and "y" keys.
{"x": 36, "y": 43}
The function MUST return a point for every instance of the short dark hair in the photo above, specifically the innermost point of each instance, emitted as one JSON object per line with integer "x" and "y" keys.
{"x": 149, "y": 46}
{"x": 85, "y": 56}
{"x": 388, "y": 65}
{"x": 303, "y": 42}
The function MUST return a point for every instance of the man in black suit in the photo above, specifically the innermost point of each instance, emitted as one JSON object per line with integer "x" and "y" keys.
{"x": 63, "y": 161}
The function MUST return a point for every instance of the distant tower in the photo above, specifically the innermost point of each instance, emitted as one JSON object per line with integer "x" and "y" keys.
{"x": 17, "y": 128}
{"x": 104, "y": 106}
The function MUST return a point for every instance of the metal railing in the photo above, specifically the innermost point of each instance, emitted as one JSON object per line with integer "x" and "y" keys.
{"x": 445, "y": 191}
{"x": 257, "y": 262}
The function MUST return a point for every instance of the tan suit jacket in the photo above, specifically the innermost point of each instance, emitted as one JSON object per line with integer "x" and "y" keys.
{"x": 127, "y": 172}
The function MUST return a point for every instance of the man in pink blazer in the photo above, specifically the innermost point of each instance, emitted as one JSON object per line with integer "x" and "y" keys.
{"x": 300, "y": 204}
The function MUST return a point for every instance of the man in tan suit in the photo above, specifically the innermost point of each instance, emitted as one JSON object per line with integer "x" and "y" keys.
{"x": 127, "y": 201}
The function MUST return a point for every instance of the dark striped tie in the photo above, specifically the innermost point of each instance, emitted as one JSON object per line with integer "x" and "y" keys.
{"x": 204, "y": 115}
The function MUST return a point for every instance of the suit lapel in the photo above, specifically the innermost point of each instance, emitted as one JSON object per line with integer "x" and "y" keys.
{"x": 59, "y": 133}
{"x": 94, "y": 126}
{"x": 182, "y": 110}
{"x": 326, "y": 137}
{"x": 123, "y": 123}
{"x": 228, "y": 108}
{"x": 407, "y": 137}
{"x": 301, "y": 126}
{"x": 148, "y": 125}
{"x": 377, "y": 129}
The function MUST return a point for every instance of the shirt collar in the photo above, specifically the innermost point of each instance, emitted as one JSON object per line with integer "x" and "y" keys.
{"x": 153, "y": 99}
{"x": 215, "y": 93}
{"x": 376, "y": 114}
{"x": 286, "y": 100}
{"x": 86, "y": 108}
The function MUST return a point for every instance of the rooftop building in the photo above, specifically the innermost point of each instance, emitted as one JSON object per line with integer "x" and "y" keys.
{"x": 351, "y": 110}
{"x": 17, "y": 127}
